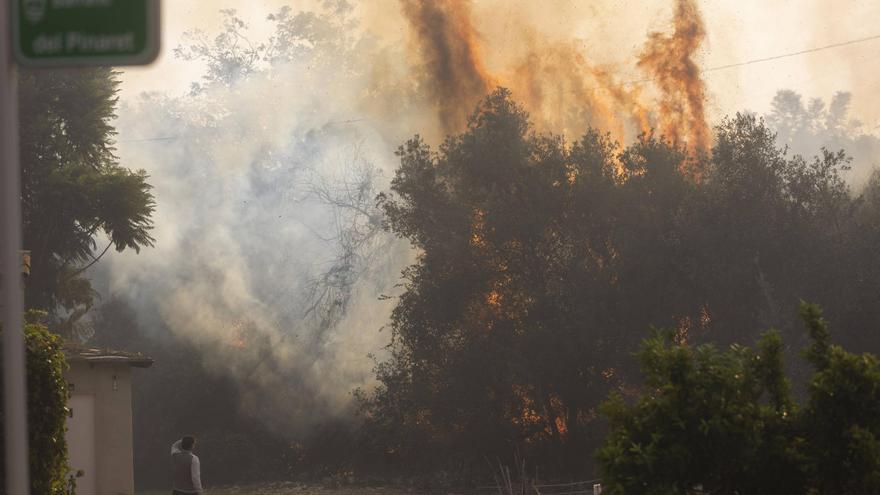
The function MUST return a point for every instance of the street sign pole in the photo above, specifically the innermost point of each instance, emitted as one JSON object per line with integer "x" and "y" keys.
{"x": 12, "y": 301}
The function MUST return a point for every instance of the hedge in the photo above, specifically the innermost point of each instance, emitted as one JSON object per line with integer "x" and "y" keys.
{"x": 47, "y": 412}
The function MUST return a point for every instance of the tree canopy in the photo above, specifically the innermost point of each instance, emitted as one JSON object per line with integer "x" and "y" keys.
{"x": 74, "y": 191}
{"x": 542, "y": 262}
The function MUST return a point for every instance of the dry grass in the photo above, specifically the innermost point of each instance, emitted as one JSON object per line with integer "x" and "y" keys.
{"x": 292, "y": 488}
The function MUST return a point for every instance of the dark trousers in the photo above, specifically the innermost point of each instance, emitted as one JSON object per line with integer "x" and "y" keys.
{"x": 177, "y": 492}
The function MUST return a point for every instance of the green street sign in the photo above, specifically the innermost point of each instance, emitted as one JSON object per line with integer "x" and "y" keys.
{"x": 75, "y": 33}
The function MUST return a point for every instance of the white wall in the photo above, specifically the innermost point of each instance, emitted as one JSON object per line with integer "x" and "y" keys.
{"x": 110, "y": 385}
{"x": 81, "y": 441}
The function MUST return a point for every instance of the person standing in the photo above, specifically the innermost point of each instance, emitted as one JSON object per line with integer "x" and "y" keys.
{"x": 186, "y": 473}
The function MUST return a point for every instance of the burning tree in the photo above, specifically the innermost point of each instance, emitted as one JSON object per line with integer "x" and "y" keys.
{"x": 509, "y": 331}
{"x": 542, "y": 263}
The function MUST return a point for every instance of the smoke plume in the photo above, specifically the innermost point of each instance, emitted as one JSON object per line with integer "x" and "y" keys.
{"x": 449, "y": 57}
{"x": 271, "y": 256}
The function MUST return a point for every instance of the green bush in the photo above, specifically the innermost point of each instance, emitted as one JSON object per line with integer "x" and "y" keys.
{"x": 47, "y": 412}
{"x": 718, "y": 422}
{"x": 841, "y": 420}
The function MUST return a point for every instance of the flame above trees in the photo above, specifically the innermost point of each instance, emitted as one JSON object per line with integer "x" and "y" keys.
{"x": 561, "y": 88}
{"x": 669, "y": 60}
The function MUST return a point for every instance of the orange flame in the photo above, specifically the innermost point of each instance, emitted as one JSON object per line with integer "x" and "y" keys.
{"x": 557, "y": 84}
{"x": 669, "y": 60}
{"x": 552, "y": 415}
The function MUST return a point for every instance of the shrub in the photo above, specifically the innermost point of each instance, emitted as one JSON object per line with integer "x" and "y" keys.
{"x": 47, "y": 411}
{"x": 724, "y": 422}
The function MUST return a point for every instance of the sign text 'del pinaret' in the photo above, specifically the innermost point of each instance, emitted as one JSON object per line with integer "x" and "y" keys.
{"x": 69, "y": 33}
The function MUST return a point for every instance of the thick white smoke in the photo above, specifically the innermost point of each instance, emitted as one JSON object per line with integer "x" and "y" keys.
{"x": 270, "y": 255}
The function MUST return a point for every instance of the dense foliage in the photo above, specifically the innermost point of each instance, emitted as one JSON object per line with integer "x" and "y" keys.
{"x": 73, "y": 188}
{"x": 720, "y": 420}
{"x": 542, "y": 262}
{"x": 46, "y": 409}
{"x": 726, "y": 421}
{"x": 841, "y": 420}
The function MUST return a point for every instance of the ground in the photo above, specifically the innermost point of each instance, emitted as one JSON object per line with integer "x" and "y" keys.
{"x": 293, "y": 488}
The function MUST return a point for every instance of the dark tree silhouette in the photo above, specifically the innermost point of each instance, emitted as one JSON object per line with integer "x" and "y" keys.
{"x": 542, "y": 264}
{"x": 73, "y": 188}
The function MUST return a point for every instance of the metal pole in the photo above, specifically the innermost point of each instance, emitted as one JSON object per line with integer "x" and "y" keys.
{"x": 12, "y": 302}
